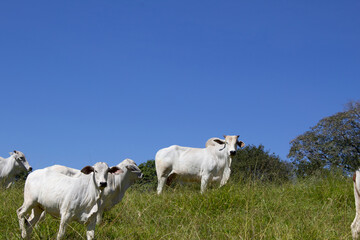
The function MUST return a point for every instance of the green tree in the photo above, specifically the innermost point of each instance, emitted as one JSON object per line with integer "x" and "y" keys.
{"x": 254, "y": 162}
{"x": 334, "y": 143}
{"x": 149, "y": 173}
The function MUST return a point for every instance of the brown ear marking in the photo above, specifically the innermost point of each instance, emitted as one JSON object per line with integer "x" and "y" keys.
{"x": 354, "y": 177}
{"x": 87, "y": 170}
{"x": 241, "y": 144}
{"x": 115, "y": 170}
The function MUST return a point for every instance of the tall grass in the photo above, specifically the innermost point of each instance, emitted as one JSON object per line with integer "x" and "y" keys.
{"x": 314, "y": 208}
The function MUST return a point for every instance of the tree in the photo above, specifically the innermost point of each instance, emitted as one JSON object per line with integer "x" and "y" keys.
{"x": 149, "y": 173}
{"x": 254, "y": 162}
{"x": 332, "y": 144}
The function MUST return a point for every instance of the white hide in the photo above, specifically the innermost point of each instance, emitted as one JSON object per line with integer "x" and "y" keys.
{"x": 12, "y": 166}
{"x": 197, "y": 164}
{"x": 117, "y": 184}
{"x": 69, "y": 198}
{"x": 355, "y": 226}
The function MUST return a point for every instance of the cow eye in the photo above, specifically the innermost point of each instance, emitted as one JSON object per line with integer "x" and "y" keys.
{"x": 95, "y": 171}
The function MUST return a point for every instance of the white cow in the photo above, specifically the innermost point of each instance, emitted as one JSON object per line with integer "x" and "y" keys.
{"x": 12, "y": 166}
{"x": 70, "y": 198}
{"x": 117, "y": 184}
{"x": 196, "y": 164}
{"x": 355, "y": 226}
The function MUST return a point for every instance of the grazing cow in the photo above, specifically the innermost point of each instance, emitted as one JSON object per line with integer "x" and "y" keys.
{"x": 12, "y": 166}
{"x": 355, "y": 226}
{"x": 197, "y": 164}
{"x": 70, "y": 198}
{"x": 117, "y": 184}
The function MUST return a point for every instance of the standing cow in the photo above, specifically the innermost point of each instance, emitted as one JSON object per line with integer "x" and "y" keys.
{"x": 70, "y": 198}
{"x": 117, "y": 184}
{"x": 197, "y": 164}
{"x": 12, "y": 166}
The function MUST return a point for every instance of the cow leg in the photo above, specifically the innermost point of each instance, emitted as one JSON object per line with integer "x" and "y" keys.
{"x": 21, "y": 212}
{"x": 225, "y": 176}
{"x": 161, "y": 182}
{"x": 90, "y": 232}
{"x": 204, "y": 182}
{"x": 100, "y": 213}
{"x": 63, "y": 224}
{"x": 36, "y": 216}
{"x": 99, "y": 218}
{"x": 355, "y": 227}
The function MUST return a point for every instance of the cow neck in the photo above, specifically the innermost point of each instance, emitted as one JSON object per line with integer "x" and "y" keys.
{"x": 125, "y": 182}
{"x": 90, "y": 198}
{"x": 122, "y": 183}
{"x": 225, "y": 145}
{"x": 92, "y": 191}
{"x": 221, "y": 153}
{"x": 120, "y": 179}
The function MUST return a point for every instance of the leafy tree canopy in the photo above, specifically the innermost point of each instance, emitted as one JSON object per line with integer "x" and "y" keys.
{"x": 149, "y": 173}
{"x": 256, "y": 163}
{"x": 332, "y": 144}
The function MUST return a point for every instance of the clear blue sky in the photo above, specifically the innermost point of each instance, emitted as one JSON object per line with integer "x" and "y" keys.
{"x": 89, "y": 81}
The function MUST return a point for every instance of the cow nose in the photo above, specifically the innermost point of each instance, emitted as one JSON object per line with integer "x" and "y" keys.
{"x": 30, "y": 169}
{"x": 103, "y": 184}
{"x": 232, "y": 153}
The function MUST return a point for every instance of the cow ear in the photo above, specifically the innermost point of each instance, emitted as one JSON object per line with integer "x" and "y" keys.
{"x": 15, "y": 151}
{"x": 132, "y": 168}
{"x": 241, "y": 144}
{"x": 219, "y": 141}
{"x": 87, "y": 170}
{"x": 115, "y": 170}
{"x": 225, "y": 136}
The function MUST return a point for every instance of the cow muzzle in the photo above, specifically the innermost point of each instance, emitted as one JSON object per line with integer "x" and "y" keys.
{"x": 232, "y": 153}
{"x": 103, "y": 184}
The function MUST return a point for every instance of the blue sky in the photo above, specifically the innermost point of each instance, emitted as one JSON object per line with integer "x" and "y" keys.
{"x": 89, "y": 81}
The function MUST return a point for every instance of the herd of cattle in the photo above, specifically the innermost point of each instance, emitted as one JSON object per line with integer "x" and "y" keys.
{"x": 83, "y": 195}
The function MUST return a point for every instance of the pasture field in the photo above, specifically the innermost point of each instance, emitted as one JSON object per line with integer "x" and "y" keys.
{"x": 314, "y": 208}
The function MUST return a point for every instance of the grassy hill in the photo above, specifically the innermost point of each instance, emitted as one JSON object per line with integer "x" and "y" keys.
{"x": 315, "y": 208}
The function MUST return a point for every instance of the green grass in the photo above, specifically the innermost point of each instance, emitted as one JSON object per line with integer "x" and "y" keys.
{"x": 313, "y": 208}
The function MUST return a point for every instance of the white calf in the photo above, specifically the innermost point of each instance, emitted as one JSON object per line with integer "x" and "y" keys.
{"x": 70, "y": 198}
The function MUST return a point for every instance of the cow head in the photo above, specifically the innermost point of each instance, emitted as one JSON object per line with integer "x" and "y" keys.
{"x": 20, "y": 160}
{"x": 101, "y": 171}
{"x": 135, "y": 172}
{"x": 132, "y": 170}
{"x": 230, "y": 144}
